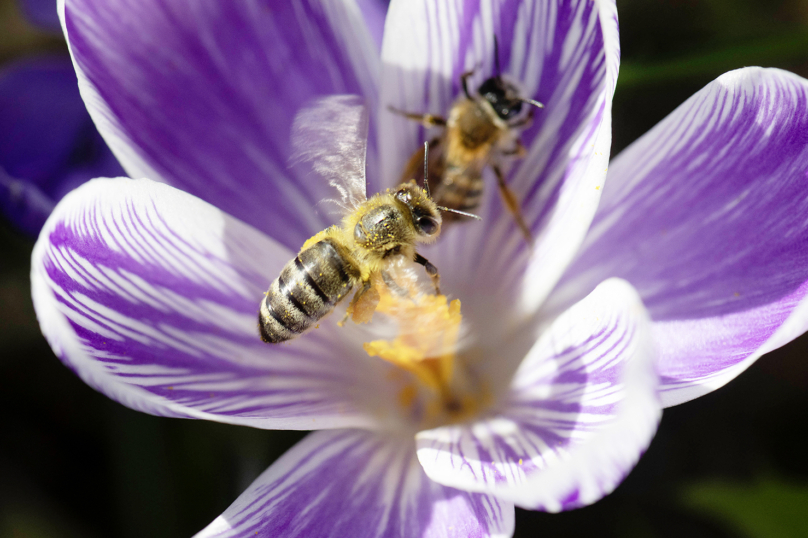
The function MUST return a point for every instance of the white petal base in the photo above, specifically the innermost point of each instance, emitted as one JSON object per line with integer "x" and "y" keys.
{"x": 583, "y": 408}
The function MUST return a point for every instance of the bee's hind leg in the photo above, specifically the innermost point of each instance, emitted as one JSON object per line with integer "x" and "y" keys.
{"x": 363, "y": 304}
{"x": 512, "y": 204}
{"x": 519, "y": 151}
{"x": 427, "y": 120}
{"x": 523, "y": 122}
{"x": 431, "y": 270}
{"x": 393, "y": 286}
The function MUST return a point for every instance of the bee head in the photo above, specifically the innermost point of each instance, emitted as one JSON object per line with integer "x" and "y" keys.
{"x": 503, "y": 97}
{"x": 425, "y": 215}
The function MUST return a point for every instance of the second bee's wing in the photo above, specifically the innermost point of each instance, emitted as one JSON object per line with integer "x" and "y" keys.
{"x": 330, "y": 136}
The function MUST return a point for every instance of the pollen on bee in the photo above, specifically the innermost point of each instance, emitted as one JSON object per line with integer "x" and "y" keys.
{"x": 361, "y": 309}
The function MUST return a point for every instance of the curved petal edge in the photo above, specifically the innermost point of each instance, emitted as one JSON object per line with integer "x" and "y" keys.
{"x": 354, "y": 483}
{"x": 151, "y": 296}
{"x": 704, "y": 215}
{"x": 583, "y": 408}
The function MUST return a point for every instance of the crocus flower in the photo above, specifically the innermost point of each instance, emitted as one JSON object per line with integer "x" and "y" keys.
{"x": 149, "y": 288}
{"x": 48, "y": 143}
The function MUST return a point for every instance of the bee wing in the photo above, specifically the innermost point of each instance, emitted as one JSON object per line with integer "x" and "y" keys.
{"x": 330, "y": 136}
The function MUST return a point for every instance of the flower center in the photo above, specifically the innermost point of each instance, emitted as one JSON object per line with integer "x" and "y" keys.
{"x": 426, "y": 345}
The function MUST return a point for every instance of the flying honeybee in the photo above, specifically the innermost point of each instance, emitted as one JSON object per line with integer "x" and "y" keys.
{"x": 480, "y": 130}
{"x": 374, "y": 232}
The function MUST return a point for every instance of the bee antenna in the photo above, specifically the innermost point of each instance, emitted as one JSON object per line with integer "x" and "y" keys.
{"x": 457, "y": 211}
{"x": 496, "y": 55}
{"x": 531, "y": 102}
{"x": 426, "y": 169}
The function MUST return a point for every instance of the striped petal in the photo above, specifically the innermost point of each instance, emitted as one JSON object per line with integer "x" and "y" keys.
{"x": 374, "y": 12}
{"x": 356, "y": 483}
{"x": 705, "y": 216}
{"x": 151, "y": 296}
{"x": 582, "y": 409}
{"x": 201, "y": 94}
{"x": 565, "y": 53}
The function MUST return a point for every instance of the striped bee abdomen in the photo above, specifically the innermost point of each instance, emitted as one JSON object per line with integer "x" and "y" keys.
{"x": 463, "y": 191}
{"x": 308, "y": 288}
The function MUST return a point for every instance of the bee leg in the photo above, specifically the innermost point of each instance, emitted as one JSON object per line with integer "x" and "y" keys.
{"x": 524, "y": 122}
{"x": 427, "y": 120}
{"x": 363, "y": 304}
{"x": 350, "y": 309}
{"x": 431, "y": 270}
{"x": 512, "y": 204}
{"x": 518, "y": 150}
{"x": 464, "y": 83}
{"x": 393, "y": 285}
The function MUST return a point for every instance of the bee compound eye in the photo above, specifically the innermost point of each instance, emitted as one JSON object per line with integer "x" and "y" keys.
{"x": 511, "y": 109}
{"x": 427, "y": 225}
{"x": 359, "y": 234}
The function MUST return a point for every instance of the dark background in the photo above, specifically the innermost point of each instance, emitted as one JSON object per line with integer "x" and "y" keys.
{"x": 733, "y": 463}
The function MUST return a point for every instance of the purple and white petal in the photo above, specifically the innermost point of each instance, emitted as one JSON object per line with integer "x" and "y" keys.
{"x": 706, "y": 216}
{"x": 564, "y": 54}
{"x": 357, "y": 483}
{"x": 374, "y": 12}
{"x": 151, "y": 296}
{"x": 582, "y": 408}
{"x": 202, "y": 94}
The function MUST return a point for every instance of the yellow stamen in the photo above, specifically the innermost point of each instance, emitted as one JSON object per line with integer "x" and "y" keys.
{"x": 425, "y": 345}
{"x": 407, "y": 395}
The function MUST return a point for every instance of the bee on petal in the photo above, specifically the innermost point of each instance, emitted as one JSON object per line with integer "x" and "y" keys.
{"x": 480, "y": 130}
{"x": 374, "y": 232}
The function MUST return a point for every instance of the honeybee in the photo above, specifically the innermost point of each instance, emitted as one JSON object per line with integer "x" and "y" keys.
{"x": 480, "y": 130}
{"x": 373, "y": 233}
